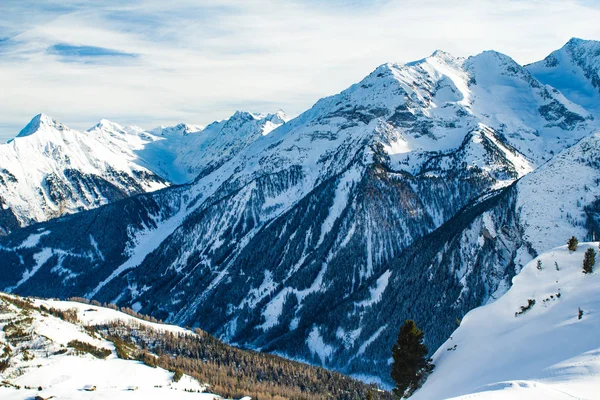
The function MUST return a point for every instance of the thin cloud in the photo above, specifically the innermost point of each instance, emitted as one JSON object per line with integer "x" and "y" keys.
{"x": 148, "y": 62}
{"x": 87, "y": 54}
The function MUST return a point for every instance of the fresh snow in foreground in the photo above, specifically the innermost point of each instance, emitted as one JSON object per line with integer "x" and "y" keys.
{"x": 66, "y": 376}
{"x": 544, "y": 353}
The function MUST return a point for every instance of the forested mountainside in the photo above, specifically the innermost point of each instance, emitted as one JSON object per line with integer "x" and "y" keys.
{"x": 63, "y": 348}
{"x": 418, "y": 192}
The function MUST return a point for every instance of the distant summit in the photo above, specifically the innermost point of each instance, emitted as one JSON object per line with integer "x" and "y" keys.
{"x": 40, "y": 122}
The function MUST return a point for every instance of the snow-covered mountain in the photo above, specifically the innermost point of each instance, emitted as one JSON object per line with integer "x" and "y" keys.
{"x": 574, "y": 71}
{"x": 50, "y": 170}
{"x": 546, "y": 352}
{"x": 394, "y": 199}
{"x": 192, "y": 151}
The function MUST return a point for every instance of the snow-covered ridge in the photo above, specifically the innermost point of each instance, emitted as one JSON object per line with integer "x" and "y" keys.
{"x": 556, "y": 199}
{"x": 40, "y": 358}
{"x": 549, "y": 351}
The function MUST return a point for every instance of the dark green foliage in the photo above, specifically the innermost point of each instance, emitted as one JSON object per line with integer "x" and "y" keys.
{"x": 83, "y": 347}
{"x": 410, "y": 364}
{"x": 589, "y": 259}
{"x": 572, "y": 243}
{"x": 530, "y": 304}
{"x": 4, "y": 364}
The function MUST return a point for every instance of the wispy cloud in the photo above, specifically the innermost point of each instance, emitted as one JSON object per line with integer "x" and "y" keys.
{"x": 148, "y": 61}
{"x": 88, "y": 54}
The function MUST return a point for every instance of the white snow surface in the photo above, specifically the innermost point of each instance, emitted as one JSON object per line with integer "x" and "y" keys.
{"x": 544, "y": 353}
{"x": 66, "y": 376}
{"x": 317, "y": 345}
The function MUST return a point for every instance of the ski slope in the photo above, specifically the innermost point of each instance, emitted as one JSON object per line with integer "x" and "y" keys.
{"x": 547, "y": 352}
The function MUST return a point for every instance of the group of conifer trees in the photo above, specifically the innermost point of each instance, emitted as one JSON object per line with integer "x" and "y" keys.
{"x": 589, "y": 258}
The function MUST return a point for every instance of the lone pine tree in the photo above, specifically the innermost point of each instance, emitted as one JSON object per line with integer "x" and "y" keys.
{"x": 589, "y": 259}
{"x": 572, "y": 243}
{"x": 410, "y": 365}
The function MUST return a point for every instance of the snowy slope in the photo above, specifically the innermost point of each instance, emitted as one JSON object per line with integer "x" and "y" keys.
{"x": 129, "y": 355}
{"x": 544, "y": 353}
{"x": 42, "y": 358}
{"x": 560, "y": 198}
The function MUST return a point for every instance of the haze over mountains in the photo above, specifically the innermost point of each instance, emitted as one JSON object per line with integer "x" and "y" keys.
{"x": 419, "y": 192}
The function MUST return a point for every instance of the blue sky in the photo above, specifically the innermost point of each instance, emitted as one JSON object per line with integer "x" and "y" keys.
{"x": 150, "y": 62}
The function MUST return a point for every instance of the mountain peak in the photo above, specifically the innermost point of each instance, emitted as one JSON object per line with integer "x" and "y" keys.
{"x": 437, "y": 55}
{"x": 179, "y": 129}
{"x": 279, "y": 117}
{"x": 40, "y": 122}
{"x": 493, "y": 54}
{"x": 582, "y": 45}
{"x": 106, "y": 124}
{"x": 491, "y": 60}
{"x": 245, "y": 116}
{"x": 578, "y": 41}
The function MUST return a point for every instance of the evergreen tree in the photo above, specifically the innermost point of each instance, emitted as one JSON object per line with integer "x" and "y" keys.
{"x": 572, "y": 243}
{"x": 410, "y": 365}
{"x": 589, "y": 260}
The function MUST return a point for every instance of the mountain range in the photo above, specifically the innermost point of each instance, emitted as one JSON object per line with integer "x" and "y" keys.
{"x": 418, "y": 192}
{"x": 49, "y": 170}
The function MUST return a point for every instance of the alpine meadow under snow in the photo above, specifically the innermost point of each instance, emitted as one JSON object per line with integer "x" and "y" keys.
{"x": 427, "y": 191}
